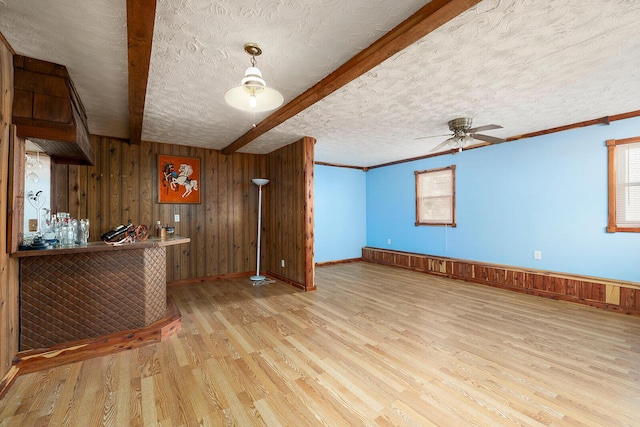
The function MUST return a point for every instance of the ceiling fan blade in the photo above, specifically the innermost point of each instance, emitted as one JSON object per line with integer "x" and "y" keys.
{"x": 439, "y": 146}
{"x": 432, "y": 136}
{"x": 487, "y": 138}
{"x": 485, "y": 127}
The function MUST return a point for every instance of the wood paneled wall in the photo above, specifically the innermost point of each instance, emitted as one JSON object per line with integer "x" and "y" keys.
{"x": 288, "y": 214}
{"x": 122, "y": 187}
{"x": 602, "y": 293}
{"x": 8, "y": 266}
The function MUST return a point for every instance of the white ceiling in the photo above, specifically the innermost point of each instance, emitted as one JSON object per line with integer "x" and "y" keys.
{"x": 526, "y": 65}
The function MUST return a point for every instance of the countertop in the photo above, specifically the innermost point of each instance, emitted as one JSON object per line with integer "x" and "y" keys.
{"x": 102, "y": 247}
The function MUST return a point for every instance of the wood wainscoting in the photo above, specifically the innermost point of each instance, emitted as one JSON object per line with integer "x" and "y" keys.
{"x": 287, "y": 251}
{"x": 615, "y": 295}
{"x": 122, "y": 187}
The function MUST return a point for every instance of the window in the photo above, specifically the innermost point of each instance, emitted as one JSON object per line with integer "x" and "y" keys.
{"x": 624, "y": 184}
{"x": 436, "y": 196}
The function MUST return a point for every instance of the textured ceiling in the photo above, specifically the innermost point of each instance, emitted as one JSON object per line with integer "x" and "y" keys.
{"x": 198, "y": 55}
{"x": 526, "y": 65}
{"x": 90, "y": 39}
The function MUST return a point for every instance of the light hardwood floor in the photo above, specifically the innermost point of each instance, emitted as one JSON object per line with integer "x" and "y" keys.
{"x": 373, "y": 345}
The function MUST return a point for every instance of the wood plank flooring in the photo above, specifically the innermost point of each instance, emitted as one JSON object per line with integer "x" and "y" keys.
{"x": 373, "y": 346}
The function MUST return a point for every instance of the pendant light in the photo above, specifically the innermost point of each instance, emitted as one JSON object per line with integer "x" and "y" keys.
{"x": 253, "y": 95}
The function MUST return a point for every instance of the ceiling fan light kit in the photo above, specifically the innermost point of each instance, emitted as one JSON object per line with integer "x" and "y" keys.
{"x": 253, "y": 95}
{"x": 459, "y": 142}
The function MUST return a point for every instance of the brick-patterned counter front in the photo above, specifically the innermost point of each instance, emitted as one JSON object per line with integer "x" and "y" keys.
{"x": 78, "y": 295}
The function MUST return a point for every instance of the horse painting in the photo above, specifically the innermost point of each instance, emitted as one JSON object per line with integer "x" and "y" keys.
{"x": 176, "y": 181}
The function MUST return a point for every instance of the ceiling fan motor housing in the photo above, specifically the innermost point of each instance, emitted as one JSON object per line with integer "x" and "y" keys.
{"x": 460, "y": 124}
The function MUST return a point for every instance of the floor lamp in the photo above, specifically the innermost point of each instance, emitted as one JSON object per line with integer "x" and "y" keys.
{"x": 259, "y": 182}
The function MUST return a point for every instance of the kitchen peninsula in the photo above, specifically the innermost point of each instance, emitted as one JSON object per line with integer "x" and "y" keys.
{"x": 79, "y": 292}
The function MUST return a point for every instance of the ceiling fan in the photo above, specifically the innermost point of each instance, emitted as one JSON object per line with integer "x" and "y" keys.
{"x": 464, "y": 134}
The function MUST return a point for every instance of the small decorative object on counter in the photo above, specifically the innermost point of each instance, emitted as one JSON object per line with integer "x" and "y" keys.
{"x": 170, "y": 231}
{"x": 116, "y": 234}
{"x": 38, "y": 243}
{"x": 124, "y": 234}
{"x": 163, "y": 233}
{"x": 158, "y": 229}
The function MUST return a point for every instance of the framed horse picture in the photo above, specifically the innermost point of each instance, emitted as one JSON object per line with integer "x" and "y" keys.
{"x": 178, "y": 179}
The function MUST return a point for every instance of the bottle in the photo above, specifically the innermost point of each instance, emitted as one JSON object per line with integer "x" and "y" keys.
{"x": 158, "y": 229}
{"x": 116, "y": 234}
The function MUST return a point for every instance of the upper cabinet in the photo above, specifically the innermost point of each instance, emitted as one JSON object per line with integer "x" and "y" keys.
{"x": 47, "y": 110}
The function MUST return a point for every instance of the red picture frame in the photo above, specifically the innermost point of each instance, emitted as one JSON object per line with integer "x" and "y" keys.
{"x": 178, "y": 179}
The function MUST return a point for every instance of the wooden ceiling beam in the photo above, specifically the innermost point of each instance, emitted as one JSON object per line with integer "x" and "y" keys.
{"x": 424, "y": 21}
{"x": 141, "y": 15}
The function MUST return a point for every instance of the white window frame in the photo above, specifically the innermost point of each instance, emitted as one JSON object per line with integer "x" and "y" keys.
{"x": 623, "y": 180}
{"x": 428, "y": 195}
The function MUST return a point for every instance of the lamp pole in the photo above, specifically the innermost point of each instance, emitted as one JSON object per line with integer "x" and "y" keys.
{"x": 259, "y": 182}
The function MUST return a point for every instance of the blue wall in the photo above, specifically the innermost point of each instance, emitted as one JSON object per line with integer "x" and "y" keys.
{"x": 340, "y": 213}
{"x": 547, "y": 193}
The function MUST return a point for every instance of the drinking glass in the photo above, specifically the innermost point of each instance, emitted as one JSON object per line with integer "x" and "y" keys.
{"x": 84, "y": 231}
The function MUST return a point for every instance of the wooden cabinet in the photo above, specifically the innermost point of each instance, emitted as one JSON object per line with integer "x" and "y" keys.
{"x": 47, "y": 110}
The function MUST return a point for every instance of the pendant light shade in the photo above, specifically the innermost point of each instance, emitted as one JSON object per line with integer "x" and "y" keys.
{"x": 253, "y": 95}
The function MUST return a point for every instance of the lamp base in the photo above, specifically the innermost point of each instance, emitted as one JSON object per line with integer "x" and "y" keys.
{"x": 257, "y": 278}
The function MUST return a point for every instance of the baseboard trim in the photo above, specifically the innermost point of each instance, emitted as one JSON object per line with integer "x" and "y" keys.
{"x": 289, "y": 281}
{"x": 209, "y": 278}
{"x": 609, "y": 294}
{"x": 75, "y": 351}
{"x": 271, "y": 274}
{"x": 341, "y": 261}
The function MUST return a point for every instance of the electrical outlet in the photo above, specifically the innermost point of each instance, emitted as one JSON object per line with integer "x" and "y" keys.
{"x": 176, "y": 218}
{"x": 282, "y": 263}
{"x": 388, "y": 241}
{"x": 33, "y": 225}
{"x": 537, "y": 254}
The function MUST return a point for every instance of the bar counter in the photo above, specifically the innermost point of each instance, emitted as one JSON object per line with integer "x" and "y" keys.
{"x": 78, "y": 292}
{"x": 101, "y": 247}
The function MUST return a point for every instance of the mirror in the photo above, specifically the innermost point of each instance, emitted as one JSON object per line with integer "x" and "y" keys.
{"x": 37, "y": 190}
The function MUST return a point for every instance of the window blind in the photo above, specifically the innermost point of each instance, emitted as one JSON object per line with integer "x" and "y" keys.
{"x": 628, "y": 185}
{"x": 435, "y": 194}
